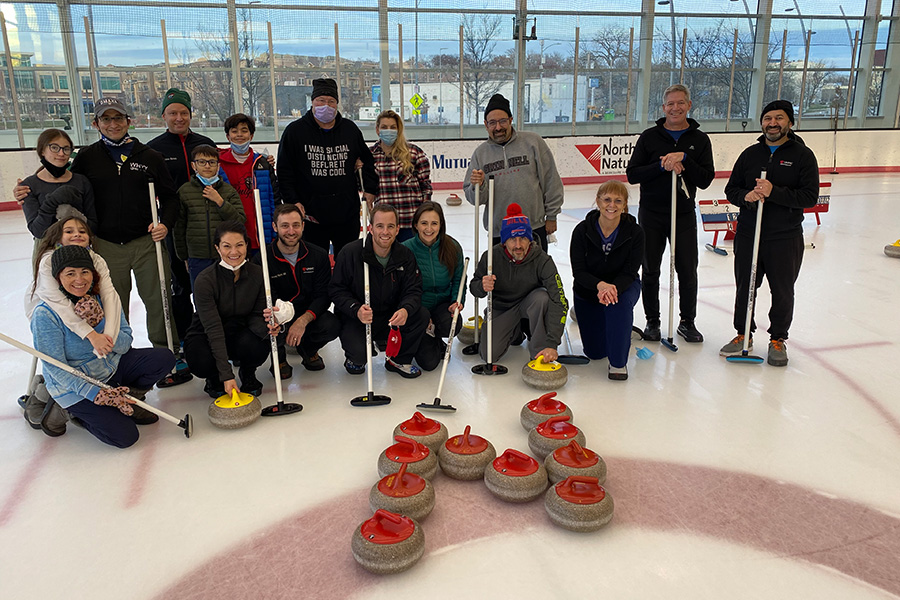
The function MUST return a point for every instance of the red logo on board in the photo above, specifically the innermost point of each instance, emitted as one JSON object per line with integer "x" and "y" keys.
{"x": 593, "y": 153}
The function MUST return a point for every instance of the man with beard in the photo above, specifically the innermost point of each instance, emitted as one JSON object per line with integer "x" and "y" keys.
{"x": 300, "y": 273}
{"x": 783, "y": 173}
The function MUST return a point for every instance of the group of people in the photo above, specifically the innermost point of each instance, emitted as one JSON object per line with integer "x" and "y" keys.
{"x": 94, "y": 229}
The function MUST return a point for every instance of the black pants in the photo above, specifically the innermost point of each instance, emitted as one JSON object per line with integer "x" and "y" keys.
{"x": 182, "y": 308}
{"x": 240, "y": 343}
{"x": 539, "y": 234}
{"x": 431, "y": 349}
{"x": 337, "y": 235}
{"x": 323, "y": 329}
{"x": 353, "y": 335}
{"x": 657, "y": 227}
{"x": 779, "y": 261}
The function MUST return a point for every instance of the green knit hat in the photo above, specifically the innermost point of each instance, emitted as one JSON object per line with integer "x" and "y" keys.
{"x": 176, "y": 96}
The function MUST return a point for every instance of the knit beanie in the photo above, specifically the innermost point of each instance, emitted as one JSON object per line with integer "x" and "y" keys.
{"x": 176, "y": 96}
{"x": 70, "y": 256}
{"x": 779, "y": 105}
{"x": 497, "y": 102}
{"x": 515, "y": 224}
{"x": 324, "y": 87}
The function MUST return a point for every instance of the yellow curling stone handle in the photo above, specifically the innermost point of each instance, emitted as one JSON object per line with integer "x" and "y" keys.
{"x": 235, "y": 400}
{"x": 538, "y": 364}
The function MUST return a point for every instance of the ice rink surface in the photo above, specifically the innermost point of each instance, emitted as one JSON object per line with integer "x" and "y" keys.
{"x": 729, "y": 480}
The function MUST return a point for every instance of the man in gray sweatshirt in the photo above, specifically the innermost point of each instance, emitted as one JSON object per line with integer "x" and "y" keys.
{"x": 527, "y": 292}
{"x": 524, "y": 172}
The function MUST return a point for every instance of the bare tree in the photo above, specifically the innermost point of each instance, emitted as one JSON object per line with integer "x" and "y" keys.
{"x": 479, "y": 43}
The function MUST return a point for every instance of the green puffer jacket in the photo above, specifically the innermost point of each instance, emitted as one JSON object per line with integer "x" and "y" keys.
{"x": 199, "y": 217}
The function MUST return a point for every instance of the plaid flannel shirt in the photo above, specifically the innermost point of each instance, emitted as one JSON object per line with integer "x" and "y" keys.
{"x": 404, "y": 192}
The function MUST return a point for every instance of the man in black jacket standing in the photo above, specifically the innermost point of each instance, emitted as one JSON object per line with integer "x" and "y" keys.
{"x": 316, "y": 168}
{"x": 119, "y": 168}
{"x": 395, "y": 295}
{"x": 300, "y": 274}
{"x": 676, "y": 144}
{"x": 783, "y": 173}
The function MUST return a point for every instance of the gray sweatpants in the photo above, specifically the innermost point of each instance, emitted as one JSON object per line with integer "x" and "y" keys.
{"x": 507, "y": 325}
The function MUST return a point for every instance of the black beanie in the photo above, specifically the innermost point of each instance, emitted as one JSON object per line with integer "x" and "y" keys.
{"x": 324, "y": 87}
{"x": 497, "y": 102}
{"x": 779, "y": 105}
{"x": 70, "y": 256}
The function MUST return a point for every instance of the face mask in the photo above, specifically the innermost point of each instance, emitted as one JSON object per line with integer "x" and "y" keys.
{"x": 388, "y": 136}
{"x": 324, "y": 114}
{"x": 53, "y": 169}
{"x": 207, "y": 180}
{"x": 224, "y": 264}
{"x": 240, "y": 148}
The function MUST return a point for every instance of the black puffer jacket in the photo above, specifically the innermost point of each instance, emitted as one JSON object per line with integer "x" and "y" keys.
{"x": 590, "y": 265}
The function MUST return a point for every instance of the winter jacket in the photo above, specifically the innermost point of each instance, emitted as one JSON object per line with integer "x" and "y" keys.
{"x": 794, "y": 174}
{"x": 404, "y": 192}
{"x": 317, "y": 168}
{"x": 656, "y": 183}
{"x": 225, "y": 305}
{"x": 198, "y": 218}
{"x": 254, "y": 173}
{"x": 304, "y": 285}
{"x": 524, "y": 172}
{"x": 590, "y": 265}
{"x": 517, "y": 280}
{"x": 438, "y": 285}
{"x": 396, "y": 286}
{"x": 53, "y": 338}
{"x": 121, "y": 196}
{"x": 41, "y": 203}
{"x": 176, "y": 151}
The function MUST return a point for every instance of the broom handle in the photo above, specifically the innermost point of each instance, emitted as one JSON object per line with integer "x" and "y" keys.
{"x": 162, "y": 271}
{"x": 672, "y": 255}
{"x": 490, "y": 270}
{"x": 757, "y": 232}
{"x": 260, "y": 234}
{"x": 459, "y": 296}
{"x": 365, "y": 219}
{"x": 477, "y": 256}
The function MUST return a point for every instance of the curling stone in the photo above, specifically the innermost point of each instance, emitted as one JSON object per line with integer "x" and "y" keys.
{"x": 454, "y": 200}
{"x": 465, "y": 456}
{"x": 235, "y": 411}
{"x": 403, "y": 493}
{"x": 419, "y": 459}
{"x": 544, "y": 376}
{"x": 466, "y": 335}
{"x": 572, "y": 459}
{"x": 424, "y": 430}
{"x": 387, "y": 543}
{"x": 579, "y": 504}
{"x": 893, "y": 250}
{"x": 515, "y": 477}
{"x": 553, "y": 433}
{"x": 537, "y": 411}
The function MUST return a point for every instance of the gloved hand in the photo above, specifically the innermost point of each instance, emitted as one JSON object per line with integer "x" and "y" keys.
{"x": 115, "y": 397}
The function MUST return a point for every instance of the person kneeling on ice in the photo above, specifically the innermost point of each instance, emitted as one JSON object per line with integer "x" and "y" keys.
{"x": 606, "y": 253}
{"x": 528, "y": 297}
{"x": 395, "y": 295}
{"x": 106, "y": 413}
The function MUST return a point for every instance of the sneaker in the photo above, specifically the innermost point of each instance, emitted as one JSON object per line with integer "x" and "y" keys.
{"x": 313, "y": 363}
{"x": 690, "y": 334}
{"x": 249, "y": 383}
{"x": 53, "y": 420}
{"x": 142, "y": 416}
{"x": 651, "y": 331}
{"x": 777, "y": 353}
{"x": 409, "y": 371}
{"x": 353, "y": 368}
{"x": 735, "y": 346}
{"x": 518, "y": 339}
{"x": 214, "y": 388}
{"x": 618, "y": 373}
{"x": 286, "y": 370}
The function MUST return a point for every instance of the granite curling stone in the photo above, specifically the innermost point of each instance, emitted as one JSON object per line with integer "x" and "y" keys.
{"x": 387, "y": 543}
{"x": 419, "y": 459}
{"x": 240, "y": 409}
{"x": 424, "y": 430}
{"x": 515, "y": 477}
{"x": 553, "y": 433}
{"x": 579, "y": 504}
{"x": 466, "y": 456}
{"x": 539, "y": 410}
{"x": 572, "y": 459}
{"x": 893, "y": 250}
{"x": 404, "y": 494}
{"x": 466, "y": 335}
{"x": 544, "y": 376}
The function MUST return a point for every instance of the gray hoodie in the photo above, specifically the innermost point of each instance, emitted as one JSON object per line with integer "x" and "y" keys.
{"x": 524, "y": 172}
{"x": 517, "y": 280}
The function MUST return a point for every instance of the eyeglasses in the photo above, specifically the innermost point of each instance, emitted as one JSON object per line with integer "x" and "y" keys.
{"x": 56, "y": 149}
{"x": 206, "y": 163}
{"x": 115, "y": 119}
{"x": 500, "y": 122}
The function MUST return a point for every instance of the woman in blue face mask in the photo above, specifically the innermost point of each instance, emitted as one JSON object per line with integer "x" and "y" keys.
{"x": 404, "y": 173}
